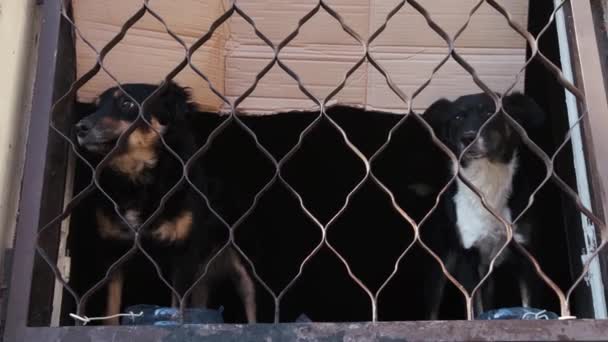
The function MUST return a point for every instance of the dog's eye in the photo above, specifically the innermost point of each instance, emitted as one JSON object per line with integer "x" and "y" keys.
{"x": 127, "y": 105}
{"x": 458, "y": 117}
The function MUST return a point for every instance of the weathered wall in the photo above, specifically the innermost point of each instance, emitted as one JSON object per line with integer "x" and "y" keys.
{"x": 18, "y": 27}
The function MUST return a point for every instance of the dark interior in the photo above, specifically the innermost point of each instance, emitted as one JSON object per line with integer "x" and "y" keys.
{"x": 369, "y": 234}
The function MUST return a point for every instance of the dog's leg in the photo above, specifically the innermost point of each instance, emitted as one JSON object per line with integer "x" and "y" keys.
{"x": 114, "y": 299}
{"x": 215, "y": 269}
{"x": 518, "y": 265}
{"x": 244, "y": 285}
{"x": 528, "y": 288}
{"x": 524, "y": 291}
{"x": 175, "y": 302}
{"x": 437, "y": 298}
{"x": 200, "y": 296}
{"x": 478, "y": 303}
{"x": 488, "y": 292}
{"x": 470, "y": 271}
{"x": 184, "y": 271}
{"x": 437, "y": 286}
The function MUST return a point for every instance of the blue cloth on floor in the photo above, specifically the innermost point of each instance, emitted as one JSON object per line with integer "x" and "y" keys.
{"x": 163, "y": 316}
{"x": 517, "y": 313}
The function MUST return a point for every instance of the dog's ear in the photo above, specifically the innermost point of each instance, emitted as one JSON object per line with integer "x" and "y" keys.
{"x": 177, "y": 101}
{"x": 438, "y": 113}
{"x": 524, "y": 110}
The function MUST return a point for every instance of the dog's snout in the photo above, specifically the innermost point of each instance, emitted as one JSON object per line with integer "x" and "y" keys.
{"x": 468, "y": 137}
{"x": 83, "y": 127}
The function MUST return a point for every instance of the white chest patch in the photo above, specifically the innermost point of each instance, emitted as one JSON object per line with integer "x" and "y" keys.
{"x": 476, "y": 225}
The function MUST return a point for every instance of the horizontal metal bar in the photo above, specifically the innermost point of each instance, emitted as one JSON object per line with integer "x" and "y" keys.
{"x": 512, "y": 330}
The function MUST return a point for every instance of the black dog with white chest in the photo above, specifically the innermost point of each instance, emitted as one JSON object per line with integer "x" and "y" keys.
{"x": 138, "y": 173}
{"x": 463, "y": 233}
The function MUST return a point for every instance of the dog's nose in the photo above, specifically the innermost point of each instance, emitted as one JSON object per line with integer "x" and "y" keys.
{"x": 83, "y": 127}
{"x": 468, "y": 137}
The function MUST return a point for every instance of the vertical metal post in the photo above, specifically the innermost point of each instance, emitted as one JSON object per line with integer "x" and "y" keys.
{"x": 591, "y": 78}
{"x": 33, "y": 177}
{"x": 589, "y": 230}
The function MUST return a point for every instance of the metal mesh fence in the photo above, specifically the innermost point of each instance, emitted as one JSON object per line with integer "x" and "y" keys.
{"x": 563, "y": 295}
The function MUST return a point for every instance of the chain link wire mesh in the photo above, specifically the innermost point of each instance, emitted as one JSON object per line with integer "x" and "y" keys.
{"x": 563, "y": 295}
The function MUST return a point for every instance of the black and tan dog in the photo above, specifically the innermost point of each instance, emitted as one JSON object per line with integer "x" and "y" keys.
{"x": 139, "y": 173}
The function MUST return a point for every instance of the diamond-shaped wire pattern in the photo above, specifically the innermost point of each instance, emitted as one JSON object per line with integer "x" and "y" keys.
{"x": 322, "y": 116}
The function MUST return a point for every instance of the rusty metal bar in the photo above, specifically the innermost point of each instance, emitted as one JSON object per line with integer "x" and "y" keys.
{"x": 511, "y": 330}
{"x": 33, "y": 177}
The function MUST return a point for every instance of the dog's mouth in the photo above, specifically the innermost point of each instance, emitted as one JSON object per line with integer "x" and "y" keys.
{"x": 474, "y": 152}
{"x": 475, "y": 155}
{"x": 97, "y": 146}
{"x": 98, "y": 140}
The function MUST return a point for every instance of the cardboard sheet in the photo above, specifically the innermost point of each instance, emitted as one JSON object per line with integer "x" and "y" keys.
{"x": 321, "y": 54}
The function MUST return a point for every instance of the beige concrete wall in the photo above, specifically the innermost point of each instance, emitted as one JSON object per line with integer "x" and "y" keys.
{"x": 18, "y": 28}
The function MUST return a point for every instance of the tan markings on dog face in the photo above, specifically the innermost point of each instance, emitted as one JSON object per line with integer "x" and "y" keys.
{"x": 117, "y": 93}
{"x": 175, "y": 230}
{"x": 108, "y": 229}
{"x": 156, "y": 125}
{"x": 97, "y": 101}
{"x": 140, "y": 152}
{"x": 132, "y": 216}
{"x": 113, "y": 125}
{"x": 104, "y": 225}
